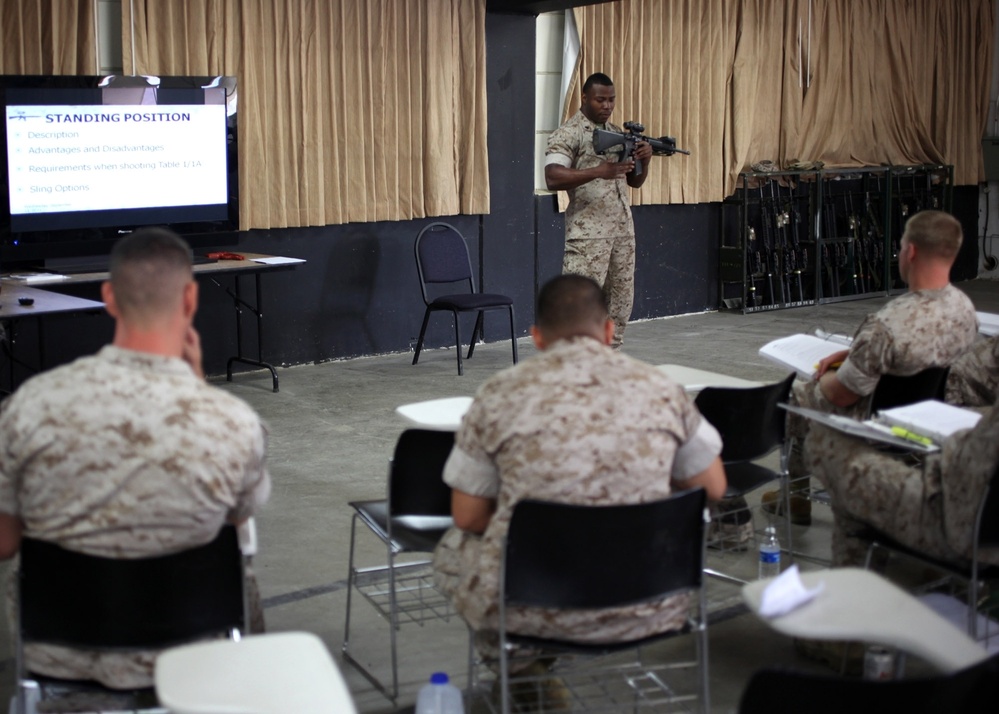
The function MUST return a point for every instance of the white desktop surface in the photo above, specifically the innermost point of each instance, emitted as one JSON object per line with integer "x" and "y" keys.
{"x": 440, "y": 414}
{"x": 694, "y": 380}
{"x": 859, "y": 605}
{"x": 260, "y": 674}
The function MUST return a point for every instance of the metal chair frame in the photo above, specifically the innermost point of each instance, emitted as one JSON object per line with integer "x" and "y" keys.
{"x": 567, "y": 556}
{"x": 411, "y": 519}
{"x": 442, "y": 258}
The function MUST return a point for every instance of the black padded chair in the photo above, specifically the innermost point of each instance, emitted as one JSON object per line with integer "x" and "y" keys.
{"x": 565, "y": 556}
{"x": 986, "y": 535}
{"x": 780, "y": 691}
{"x": 751, "y": 425}
{"x": 76, "y": 600}
{"x": 442, "y": 258}
{"x": 411, "y": 519}
{"x": 897, "y": 391}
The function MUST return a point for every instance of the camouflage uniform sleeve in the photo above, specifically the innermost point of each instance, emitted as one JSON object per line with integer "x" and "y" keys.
{"x": 697, "y": 453}
{"x": 8, "y": 467}
{"x": 869, "y": 358}
{"x": 257, "y": 480}
{"x": 470, "y": 468}
{"x": 563, "y": 146}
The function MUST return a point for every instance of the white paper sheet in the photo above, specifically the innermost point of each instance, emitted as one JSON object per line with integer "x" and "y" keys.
{"x": 277, "y": 260}
{"x": 786, "y": 593}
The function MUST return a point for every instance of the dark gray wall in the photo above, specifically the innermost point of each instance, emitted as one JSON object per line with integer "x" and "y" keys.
{"x": 358, "y": 293}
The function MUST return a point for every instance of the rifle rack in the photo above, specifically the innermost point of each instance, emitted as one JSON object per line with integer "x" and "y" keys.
{"x": 794, "y": 238}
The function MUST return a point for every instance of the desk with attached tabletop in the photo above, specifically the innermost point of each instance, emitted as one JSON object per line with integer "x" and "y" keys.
{"x": 43, "y": 303}
{"x": 694, "y": 380}
{"x": 858, "y": 605}
{"x": 254, "y": 264}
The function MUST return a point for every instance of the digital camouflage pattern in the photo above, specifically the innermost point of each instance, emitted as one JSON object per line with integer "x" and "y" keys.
{"x": 928, "y": 504}
{"x": 599, "y": 230}
{"x": 974, "y": 377}
{"x": 124, "y": 455}
{"x": 580, "y": 424}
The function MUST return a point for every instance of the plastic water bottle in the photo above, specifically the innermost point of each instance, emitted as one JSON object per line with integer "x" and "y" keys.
{"x": 769, "y": 553}
{"x": 439, "y": 697}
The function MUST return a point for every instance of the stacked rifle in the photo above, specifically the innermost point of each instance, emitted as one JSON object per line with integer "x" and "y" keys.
{"x": 777, "y": 252}
{"x": 853, "y": 243}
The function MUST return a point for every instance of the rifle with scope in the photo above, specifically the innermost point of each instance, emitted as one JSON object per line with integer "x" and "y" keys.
{"x": 663, "y": 146}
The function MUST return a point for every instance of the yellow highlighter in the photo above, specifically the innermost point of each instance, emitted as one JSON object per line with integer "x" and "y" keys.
{"x": 909, "y": 436}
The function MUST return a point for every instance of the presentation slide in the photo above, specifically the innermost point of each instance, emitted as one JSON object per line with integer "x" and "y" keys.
{"x": 89, "y": 158}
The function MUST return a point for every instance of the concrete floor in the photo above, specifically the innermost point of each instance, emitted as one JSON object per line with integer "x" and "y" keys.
{"x": 333, "y": 428}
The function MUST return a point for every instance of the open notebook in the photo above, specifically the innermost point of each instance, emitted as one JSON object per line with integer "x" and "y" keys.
{"x": 801, "y": 352}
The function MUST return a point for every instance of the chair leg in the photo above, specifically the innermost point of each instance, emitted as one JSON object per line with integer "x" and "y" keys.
{"x": 513, "y": 335}
{"x": 350, "y": 586}
{"x": 457, "y": 342}
{"x": 423, "y": 332}
{"x": 477, "y": 334}
{"x": 392, "y": 693}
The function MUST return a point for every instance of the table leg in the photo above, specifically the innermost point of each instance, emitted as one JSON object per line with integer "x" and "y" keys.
{"x": 257, "y": 309}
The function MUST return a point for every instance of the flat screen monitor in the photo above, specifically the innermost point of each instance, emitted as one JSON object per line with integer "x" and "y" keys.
{"x": 87, "y": 159}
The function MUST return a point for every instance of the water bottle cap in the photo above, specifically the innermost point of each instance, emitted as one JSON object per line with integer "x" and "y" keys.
{"x": 439, "y": 678}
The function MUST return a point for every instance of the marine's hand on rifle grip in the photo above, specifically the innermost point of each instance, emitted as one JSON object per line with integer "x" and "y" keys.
{"x": 617, "y": 169}
{"x": 643, "y": 151}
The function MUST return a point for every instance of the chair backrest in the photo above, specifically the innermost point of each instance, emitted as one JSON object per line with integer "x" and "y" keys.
{"x": 416, "y": 486}
{"x": 749, "y": 421}
{"x": 897, "y": 391}
{"x": 79, "y": 600}
{"x": 566, "y": 556}
{"x": 442, "y": 257}
{"x": 777, "y": 691}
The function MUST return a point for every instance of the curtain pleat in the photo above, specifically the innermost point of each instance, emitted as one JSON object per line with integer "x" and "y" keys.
{"x": 349, "y": 111}
{"x": 48, "y": 37}
{"x": 847, "y": 82}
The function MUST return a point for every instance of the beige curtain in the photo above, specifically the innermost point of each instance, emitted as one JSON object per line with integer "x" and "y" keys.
{"x": 847, "y": 82}
{"x": 48, "y": 37}
{"x": 349, "y": 111}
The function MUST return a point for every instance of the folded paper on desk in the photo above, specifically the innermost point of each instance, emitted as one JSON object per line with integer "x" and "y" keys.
{"x": 786, "y": 593}
{"x": 869, "y": 430}
{"x": 931, "y": 418}
{"x": 802, "y": 353}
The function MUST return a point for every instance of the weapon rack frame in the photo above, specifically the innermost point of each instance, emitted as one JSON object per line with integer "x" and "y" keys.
{"x": 795, "y": 238}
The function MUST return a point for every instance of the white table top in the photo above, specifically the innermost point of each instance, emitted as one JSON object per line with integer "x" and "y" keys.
{"x": 858, "y": 605}
{"x": 261, "y": 674}
{"x": 440, "y": 414}
{"x": 694, "y": 380}
{"x": 445, "y": 414}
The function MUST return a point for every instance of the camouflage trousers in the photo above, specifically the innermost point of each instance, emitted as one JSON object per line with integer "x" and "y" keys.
{"x": 809, "y": 395}
{"x": 611, "y": 263}
{"x": 893, "y": 493}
